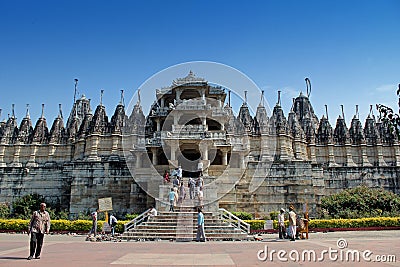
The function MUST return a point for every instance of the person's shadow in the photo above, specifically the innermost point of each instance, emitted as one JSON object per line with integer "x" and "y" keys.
{"x": 12, "y": 258}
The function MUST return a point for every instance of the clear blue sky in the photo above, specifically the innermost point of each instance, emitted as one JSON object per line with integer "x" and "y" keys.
{"x": 349, "y": 49}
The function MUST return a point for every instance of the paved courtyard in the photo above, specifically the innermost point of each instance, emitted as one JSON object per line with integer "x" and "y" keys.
{"x": 330, "y": 249}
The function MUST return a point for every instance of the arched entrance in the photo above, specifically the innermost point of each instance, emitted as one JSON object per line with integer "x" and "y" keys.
{"x": 188, "y": 160}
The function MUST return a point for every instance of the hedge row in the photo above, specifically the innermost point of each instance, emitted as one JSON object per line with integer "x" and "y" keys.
{"x": 85, "y": 226}
{"x": 337, "y": 223}
{"x": 20, "y": 225}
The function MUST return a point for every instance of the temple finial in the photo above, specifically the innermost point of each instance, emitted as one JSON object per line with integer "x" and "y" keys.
{"x": 60, "y": 115}
{"x": 122, "y": 98}
{"x": 42, "y": 116}
{"x": 342, "y": 112}
{"x": 326, "y": 112}
{"x": 308, "y": 84}
{"x": 245, "y": 97}
{"x": 76, "y": 86}
{"x": 101, "y": 97}
{"x": 279, "y": 98}
{"x": 229, "y": 98}
{"x": 12, "y": 111}
{"x": 138, "y": 94}
{"x": 262, "y": 102}
{"x": 27, "y": 111}
{"x": 357, "y": 114}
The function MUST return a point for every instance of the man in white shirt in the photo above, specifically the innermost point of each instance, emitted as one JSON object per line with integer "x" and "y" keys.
{"x": 292, "y": 223}
{"x": 113, "y": 223}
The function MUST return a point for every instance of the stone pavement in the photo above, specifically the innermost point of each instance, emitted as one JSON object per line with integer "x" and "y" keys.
{"x": 67, "y": 250}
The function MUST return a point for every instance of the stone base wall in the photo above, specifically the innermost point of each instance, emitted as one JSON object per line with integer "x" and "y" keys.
{"x": 77, "y": 186}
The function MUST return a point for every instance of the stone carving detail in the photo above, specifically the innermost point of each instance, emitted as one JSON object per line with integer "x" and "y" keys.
{"x": 371, "y": 133}
{"x": 10, "y": 131}
{"x": 384, "y": 132}
{"x": 245, "y": 117}
{"x": 118, "y": 120}
{"x": 356, "y": 132}
{"x": 99, "y": 123}
{"x": 306, "y": 116}
{"x": 57, "y": 132}
{"x": 278, "y": 122}
{"x": 324, "y": 134}
{"x": 25, "y": 131}
{"x": 341, "y": 134}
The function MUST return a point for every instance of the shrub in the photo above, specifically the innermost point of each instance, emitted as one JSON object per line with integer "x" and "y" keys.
{"x": 256, "y": 224}
{"x": 130, "y": 217}
{"x": 242, "y": 215}
{"x": 4, "y": 211}
{"x": 361, "y": 202}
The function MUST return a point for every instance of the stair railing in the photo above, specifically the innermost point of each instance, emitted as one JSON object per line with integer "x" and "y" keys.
{"x": 136, "y": 221}
{"x": 238, "y": 223}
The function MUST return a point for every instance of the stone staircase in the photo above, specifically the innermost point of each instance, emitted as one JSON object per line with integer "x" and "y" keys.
{"x": 181, "y": 226}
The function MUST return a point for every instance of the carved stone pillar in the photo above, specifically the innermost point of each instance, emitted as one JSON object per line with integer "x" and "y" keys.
{"x": 379, "y": 152}
{"x": 349, "y": 157}
{"x": 32, "y": 157}
{"x": 364, "y": 156}
{"x": 313, "y": 157}
{"x": 396, "y": 148}
{"x": 94, "y": 141}
{"x": 331, "y": 156}
{"x": 16, "y": 162}
{"x": 2, "y": 163}
{"x": 154, "y": 158}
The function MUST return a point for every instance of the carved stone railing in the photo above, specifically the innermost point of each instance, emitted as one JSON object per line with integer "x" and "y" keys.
{"x": 228, "y": 217}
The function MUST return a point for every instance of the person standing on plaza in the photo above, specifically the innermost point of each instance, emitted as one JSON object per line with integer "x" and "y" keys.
{"x": 200, "y": 235}
{"x": 113, "y": 223}
{"x": 94, "y": 223}
{"x": 172, "y": 197}
{"x": 281, "y": 224}
{"x": 38, "y": 226}
{"x": 292, "y": 223}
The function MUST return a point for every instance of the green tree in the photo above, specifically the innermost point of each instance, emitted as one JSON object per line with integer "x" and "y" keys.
{"x": 24, "y": 206}
{"x": 389, "y": 117}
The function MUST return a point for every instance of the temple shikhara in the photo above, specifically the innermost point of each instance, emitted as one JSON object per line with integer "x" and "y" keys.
{"x": 251, "y": 162}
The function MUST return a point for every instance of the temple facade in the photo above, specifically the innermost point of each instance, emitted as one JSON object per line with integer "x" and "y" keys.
{"x": 255, "y": 163}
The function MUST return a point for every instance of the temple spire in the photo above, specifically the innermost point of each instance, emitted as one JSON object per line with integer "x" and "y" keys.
{"x": 229, "y": 98}
{"x": 245, "y": 97}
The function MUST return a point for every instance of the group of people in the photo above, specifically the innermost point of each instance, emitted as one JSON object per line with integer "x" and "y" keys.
{"x": 178, "y": 191}
{"x": 296, "y": 224}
